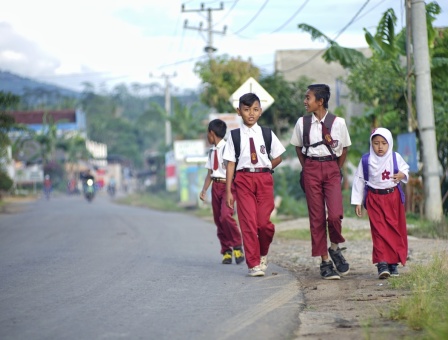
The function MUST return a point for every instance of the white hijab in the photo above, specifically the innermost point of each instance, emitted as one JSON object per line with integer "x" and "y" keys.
{"x": 381, "y": 167}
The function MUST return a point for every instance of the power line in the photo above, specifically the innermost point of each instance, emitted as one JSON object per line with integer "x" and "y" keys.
{"x": 251, "y": 20}
{"x": 292, "y": 17}
{"x": 209, "y": 48}
{"x": 337, "y": 36}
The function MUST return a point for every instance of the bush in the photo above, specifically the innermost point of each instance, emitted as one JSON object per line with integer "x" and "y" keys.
{"x": 5, "y": 181}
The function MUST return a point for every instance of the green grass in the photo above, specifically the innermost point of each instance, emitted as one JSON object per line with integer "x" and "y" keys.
{"x": 426, "y": 308}
{"x": 163, "y": 201}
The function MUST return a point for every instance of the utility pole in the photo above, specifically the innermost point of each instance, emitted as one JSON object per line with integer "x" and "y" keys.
{"x": 409, "y": 64}
{"x": 425, "y": 112}
{"x": 168, "y": 134}
{"x": 209, "y": 48}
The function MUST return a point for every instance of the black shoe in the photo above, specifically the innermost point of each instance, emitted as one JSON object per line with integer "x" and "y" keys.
{"x": 327, "y": 271}
{"x": 383, "y": 270}
{"x": 227, "y": 257}
{"x": 341, "y": 265}
{"x": 238, "y": 254}
{"x": 393, "y": 269}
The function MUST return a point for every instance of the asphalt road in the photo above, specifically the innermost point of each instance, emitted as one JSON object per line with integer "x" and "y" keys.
{"x": 70, "y": 269}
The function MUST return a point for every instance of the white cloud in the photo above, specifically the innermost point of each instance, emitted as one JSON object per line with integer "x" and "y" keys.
{"x": 117, "y": 40}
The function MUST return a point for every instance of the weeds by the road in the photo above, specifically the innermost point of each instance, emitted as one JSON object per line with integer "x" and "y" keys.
{"x": 163, "y": 201}
{"x": 426, "y": 308}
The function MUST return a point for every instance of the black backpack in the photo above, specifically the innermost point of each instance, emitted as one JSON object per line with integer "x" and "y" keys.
{"x": 329, "y": 120}
{"x": 236, "y": 137}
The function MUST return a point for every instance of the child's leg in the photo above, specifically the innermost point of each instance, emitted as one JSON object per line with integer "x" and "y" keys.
{"x": 231, "y": 230}
{"x": 247, "y": 216}
{"x": 265, "y": 205}
{"x": 333, "y": 200}
{"x": 217, "y": 199}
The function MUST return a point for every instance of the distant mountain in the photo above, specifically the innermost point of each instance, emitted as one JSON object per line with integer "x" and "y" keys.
{"x": 18, "y": 85}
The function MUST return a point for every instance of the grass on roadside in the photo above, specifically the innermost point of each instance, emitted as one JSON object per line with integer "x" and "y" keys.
{"x": 426, "y": 308}
{"x": 163, "y": 201}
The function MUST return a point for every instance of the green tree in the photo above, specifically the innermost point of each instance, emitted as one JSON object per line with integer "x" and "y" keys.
{"x": 187, "y": 122}
{"x": 221, "y": 77}
{"x": 288, "y": 105}
{"x": 379, "y": 81}
{"x": 7, "y": 100}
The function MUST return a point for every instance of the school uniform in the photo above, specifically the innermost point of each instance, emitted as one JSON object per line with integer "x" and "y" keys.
{"x": 228, "y": 232}
{"x": 386, "y": 211}
{"x": 254, "y": 187}
{"x": 323, "y": 182}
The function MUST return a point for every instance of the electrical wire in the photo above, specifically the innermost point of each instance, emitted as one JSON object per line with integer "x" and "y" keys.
{"x": 292, "y": 17}
{"x": 227, "y": 14}
{"x": 334, "y": 39}
{"x": 253, "y": 18}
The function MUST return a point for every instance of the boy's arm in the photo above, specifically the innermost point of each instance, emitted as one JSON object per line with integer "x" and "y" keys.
{"x": 207, "y": 181}
{"x": 229, "y": 179}
{"x": 276, "y": 161}
{"x": 300, "y": 155}
{"x": 341, "y": 159}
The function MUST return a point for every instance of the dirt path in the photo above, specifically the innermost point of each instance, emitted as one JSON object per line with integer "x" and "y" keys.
{"x": 349, "y": 308}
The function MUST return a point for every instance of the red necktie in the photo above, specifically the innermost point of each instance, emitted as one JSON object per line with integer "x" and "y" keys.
{"x": 215, "y": 162}
{"x": 253, "y": 152}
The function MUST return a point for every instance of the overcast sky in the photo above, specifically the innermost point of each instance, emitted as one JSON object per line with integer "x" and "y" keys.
{"x": 112, "y": 41}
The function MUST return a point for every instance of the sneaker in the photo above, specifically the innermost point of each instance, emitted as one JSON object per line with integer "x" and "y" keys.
{"x": 264, "y": 263}
{"x": 227, "y": 257}
{"x": 238, "y": 254}
{"x": 256, "y": 271}
{"x": 341, "y": 265}
{"x": 393, "y": 269}
{"x": 383, "y": 270}
{"x": 327, "y": 271}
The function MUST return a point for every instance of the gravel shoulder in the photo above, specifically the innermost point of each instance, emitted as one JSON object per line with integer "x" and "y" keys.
{"x": 350, "y": 308}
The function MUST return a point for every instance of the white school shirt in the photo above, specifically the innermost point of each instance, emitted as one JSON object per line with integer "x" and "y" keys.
{"x": 221, "y": 171}
{"x": 338, "y": 132}
{"x": 256, "y": 133}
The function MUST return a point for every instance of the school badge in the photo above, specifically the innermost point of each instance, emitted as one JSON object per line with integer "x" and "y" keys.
{"x": 330, "y": 141}
{"x": 263, "y": 149}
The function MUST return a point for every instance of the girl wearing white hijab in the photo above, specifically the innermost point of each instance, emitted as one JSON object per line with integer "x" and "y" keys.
{"x": 383, "y": 202}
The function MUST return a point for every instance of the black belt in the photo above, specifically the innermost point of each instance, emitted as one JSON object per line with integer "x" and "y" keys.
{"x": 381, "y": 191}
{"x": 257, "y": 170}
{"x": 218, "y": 179}
{"x": 323, "y": 159}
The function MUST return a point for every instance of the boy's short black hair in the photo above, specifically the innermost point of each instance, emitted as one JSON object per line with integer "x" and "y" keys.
{"x": 249, "y": 99}
{"x": 321, "y": 91}
{"x": 218, "y": 126}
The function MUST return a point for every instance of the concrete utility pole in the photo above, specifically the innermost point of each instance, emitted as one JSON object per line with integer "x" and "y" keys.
{"x": 209, "y": 48}
{"x": 168, "y": 134}
{"x": 425, "y": 112}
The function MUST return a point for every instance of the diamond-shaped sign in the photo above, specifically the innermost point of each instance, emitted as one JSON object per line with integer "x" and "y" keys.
{"x": 251, "y": 85}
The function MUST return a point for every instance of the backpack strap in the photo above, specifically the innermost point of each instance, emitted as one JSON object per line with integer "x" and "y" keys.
{"x": 400, "y": 189}
{"x": 267, "y": 136}
{"x": 328, "y": 122}
{"x": 236, "y": 138}
{"x": 365, "y": 170}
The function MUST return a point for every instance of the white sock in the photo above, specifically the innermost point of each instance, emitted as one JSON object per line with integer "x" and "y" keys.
{"x": 334, "y": 246}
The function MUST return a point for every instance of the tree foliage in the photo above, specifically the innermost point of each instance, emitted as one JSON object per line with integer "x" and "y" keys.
{"x": 221, "y": 77}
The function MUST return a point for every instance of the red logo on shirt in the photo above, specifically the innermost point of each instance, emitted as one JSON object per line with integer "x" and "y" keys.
{"x": 385, "y": 174}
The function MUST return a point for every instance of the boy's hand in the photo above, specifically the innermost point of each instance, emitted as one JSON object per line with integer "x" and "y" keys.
{"x": 229, "y": 200}
{"x": 358, "y": 210}
{"x": 202, "y": 195}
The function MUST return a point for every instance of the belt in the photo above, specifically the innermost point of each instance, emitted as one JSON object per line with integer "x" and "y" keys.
{"x": 381, "y": 191}
{"x": 218, "y": 179}
{"x": 256, "y": 170}
{"x": 323, "y": 159}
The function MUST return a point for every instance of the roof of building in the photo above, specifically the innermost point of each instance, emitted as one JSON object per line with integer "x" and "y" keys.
{"x": 37, "y": 117}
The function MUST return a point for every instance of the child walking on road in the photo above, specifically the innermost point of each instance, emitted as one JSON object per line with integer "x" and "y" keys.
{"x": 376, "y": 184}
{"x": 322, "y": 140}
{"x": 229, "y": 234}
{"x": 252, "y": 153}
